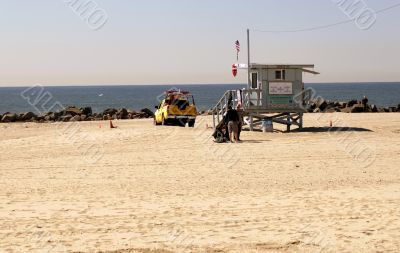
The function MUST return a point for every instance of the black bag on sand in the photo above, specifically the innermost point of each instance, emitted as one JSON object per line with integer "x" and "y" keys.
{"x": 221, "y": 134}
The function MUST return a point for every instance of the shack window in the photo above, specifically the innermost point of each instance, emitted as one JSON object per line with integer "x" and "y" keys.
{"x": 254, "y": 80}
{"x": 280, "y": 74}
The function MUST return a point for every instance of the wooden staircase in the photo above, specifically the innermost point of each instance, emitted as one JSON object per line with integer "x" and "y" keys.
{"x": 255, "y": 111}
{"x": 230, "y": 98}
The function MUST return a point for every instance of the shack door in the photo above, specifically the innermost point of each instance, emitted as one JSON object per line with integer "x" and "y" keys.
{"x": 256, "y": 91}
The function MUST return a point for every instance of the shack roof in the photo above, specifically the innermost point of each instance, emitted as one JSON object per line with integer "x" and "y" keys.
{"x": 303, "y": 67}
{"x": 281, "y": 66}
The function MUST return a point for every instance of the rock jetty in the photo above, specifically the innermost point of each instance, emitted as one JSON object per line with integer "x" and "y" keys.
{"x": 325, "y": 106}
{"x": 73, "y": 114}
{"x": 352, "y": 106}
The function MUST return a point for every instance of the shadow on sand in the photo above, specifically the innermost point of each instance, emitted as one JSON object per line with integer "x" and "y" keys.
{"x": 255, "y": 141}
{"x": 330, "y": 129}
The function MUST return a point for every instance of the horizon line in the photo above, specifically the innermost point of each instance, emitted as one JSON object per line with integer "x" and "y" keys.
{"x": 183, "y": 84}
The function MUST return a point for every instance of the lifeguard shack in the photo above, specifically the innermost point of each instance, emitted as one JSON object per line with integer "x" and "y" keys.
{"x": 275, "y": 93}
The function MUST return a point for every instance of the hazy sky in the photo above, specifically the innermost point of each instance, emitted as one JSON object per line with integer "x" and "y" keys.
{"x": 190, "y": 41}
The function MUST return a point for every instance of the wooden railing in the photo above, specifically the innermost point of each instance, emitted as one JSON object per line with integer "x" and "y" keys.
{"x": 252, "y": 99}
{"x": 228, "y": 99}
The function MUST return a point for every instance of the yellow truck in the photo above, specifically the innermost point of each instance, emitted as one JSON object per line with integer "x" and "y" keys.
{"x": 177, "y": 108}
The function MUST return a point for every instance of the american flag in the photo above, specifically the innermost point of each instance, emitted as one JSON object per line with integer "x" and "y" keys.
{"x": 237, "y": 44}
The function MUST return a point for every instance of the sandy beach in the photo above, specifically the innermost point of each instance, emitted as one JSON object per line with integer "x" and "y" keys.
{"x": 83, "y": 187}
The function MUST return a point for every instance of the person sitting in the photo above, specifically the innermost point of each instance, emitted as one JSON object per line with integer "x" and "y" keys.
{"x": 232, "y": 120}
{"x": 364, "y": 102}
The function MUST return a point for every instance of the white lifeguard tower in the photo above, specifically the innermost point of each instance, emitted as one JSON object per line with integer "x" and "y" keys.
{"x": 274, "y": 91}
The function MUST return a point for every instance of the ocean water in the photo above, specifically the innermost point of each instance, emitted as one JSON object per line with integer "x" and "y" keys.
{"x": 140, "y": 96}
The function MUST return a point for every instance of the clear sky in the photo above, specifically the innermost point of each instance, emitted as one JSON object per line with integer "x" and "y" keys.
{"x": 190, "y": 41}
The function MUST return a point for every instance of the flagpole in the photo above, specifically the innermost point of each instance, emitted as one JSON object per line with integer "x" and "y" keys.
{"x": 248, "y": 59}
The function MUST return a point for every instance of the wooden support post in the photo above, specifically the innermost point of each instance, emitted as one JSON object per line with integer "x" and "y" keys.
{"x": 218, "y": 114}
{"x": 288, "y": 122}
{"x": 248, "y": 59}
{"x": 214, "y": 120}
{"x": 301, "y": 121}
{"x": 226, "y": 103}
{"x": 233, "y": 99}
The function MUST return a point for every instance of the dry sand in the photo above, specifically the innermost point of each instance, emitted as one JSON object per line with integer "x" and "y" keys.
{"x": 140, "y": 188}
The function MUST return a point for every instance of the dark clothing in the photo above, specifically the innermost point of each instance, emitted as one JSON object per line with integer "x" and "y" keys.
{"x": 240, "y": 126}
{"x": 365, "y": 103}
{"x": 232, "y": 115}
{"x": 241, "y": 123}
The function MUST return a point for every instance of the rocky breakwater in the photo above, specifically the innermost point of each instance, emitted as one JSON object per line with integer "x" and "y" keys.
{"x": 73, "y": 114}
{"x": 326, "y": 106}
{"x": 352, "y": 106}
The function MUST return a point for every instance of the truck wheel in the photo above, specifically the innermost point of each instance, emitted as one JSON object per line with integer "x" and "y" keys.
{"x": 155, "y": 122}
{"x": 181, "y": 123}
{"x": 164, "y": 122}
{"x": 191, "y": 123}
